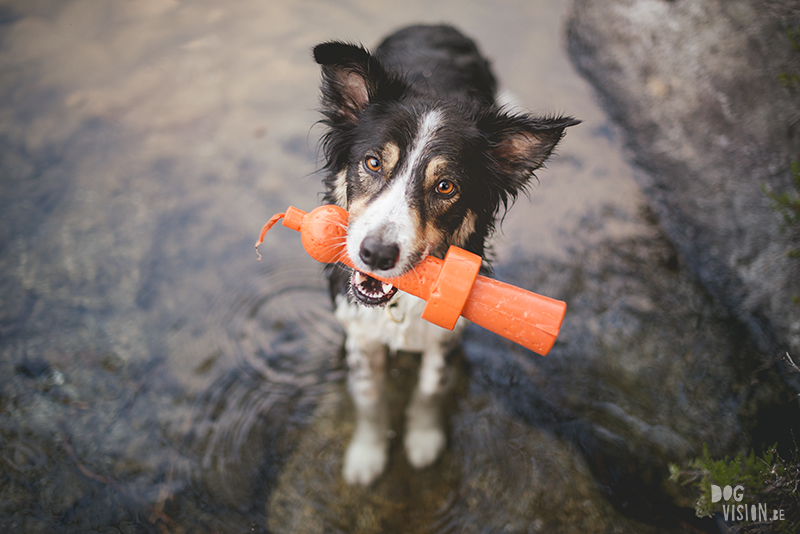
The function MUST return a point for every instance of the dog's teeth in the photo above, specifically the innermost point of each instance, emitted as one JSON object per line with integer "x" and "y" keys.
{"x": 370, "y": 288}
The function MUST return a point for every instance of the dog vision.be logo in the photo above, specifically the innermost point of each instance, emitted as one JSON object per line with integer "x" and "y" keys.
{"x": 749, "y": 512}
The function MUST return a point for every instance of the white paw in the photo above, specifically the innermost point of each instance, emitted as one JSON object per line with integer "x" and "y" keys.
{"x": 364, "y": 461}
{"x": 424, "y": 445}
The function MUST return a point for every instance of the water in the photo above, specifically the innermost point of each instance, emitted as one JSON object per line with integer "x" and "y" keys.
{"x": 156, "y": 377}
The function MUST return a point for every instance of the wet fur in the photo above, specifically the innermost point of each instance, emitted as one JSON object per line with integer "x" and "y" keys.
{"x": 423, "y": 106}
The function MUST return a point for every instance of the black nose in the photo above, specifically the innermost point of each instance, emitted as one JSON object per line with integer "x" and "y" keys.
{"x": 377, "y": 255}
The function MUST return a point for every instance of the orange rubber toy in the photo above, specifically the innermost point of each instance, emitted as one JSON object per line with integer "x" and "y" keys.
{"x": 450, "y": 287}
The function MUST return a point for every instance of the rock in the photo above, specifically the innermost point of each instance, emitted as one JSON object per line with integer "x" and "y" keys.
{"x": 648, "y": 369}
{"x": 696, "y": 87}
{"x": 499, "y": 474}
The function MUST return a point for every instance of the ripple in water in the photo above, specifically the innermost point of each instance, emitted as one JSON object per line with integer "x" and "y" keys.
{"x": 275, "y": 349}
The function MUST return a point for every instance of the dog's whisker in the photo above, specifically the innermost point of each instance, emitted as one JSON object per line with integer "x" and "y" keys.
{"x": 417, "y": 277}
{"x": 333, "y": 221}
{"x": 340, "y": 255}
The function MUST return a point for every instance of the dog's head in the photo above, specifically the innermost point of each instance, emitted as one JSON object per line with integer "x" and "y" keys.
{"x": 417, "y": 173}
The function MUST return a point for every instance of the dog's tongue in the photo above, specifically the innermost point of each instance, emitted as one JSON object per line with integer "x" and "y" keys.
{"x": 371, "y": 290}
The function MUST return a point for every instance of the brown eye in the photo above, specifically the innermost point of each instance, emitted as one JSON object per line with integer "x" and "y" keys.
{"x": 372, "y": 164}
{"x": 445, "y": 188}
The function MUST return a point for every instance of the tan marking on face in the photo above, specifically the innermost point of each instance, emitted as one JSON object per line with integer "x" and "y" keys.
{"x": 431, "y": 238}
{"x": 340, "y": 189}
{"x": 389, "y": 155}
{"x": 466, "y": 229}
{"x": 433, "y": 172}
{"x": 357, "y": 206}
{"x": 369, "y": 186}
{"x": 363, "y": 175}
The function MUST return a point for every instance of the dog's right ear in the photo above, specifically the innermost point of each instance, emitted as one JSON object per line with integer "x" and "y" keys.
{"x": 351, "y": 80}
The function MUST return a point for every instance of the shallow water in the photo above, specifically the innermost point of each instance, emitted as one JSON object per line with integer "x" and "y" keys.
{"x": 154, "y": 375}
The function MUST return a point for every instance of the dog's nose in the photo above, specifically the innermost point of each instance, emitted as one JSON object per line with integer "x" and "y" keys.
{"x": 377, "y": 255}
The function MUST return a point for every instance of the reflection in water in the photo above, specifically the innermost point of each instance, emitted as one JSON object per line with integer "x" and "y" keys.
{"x": 280, "y": 343}
{"x": 274, "y": 350}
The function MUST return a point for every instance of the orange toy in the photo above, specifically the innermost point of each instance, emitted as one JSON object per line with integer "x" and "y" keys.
{"x": 451, "y": 287}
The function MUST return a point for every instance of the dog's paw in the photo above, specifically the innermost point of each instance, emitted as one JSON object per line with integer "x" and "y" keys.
{"x": 364, "y": 462}
{"x": 424, "y": 445}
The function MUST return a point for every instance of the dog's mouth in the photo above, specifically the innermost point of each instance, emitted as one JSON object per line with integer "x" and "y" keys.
{"x": 369, "y": 291}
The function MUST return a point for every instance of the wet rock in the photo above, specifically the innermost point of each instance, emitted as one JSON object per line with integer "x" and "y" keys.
{"x": 647, "y": 370}
{"x": 499, "y": 474}
{"x": 702, "y": 92}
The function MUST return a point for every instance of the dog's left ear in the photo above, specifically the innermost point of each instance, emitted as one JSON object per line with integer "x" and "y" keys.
{"x": 351, "y": 80}
{"x": 519, "y": 144}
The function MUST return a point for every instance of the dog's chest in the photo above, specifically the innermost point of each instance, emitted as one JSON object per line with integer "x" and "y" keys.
{"x": 398, "y": 325}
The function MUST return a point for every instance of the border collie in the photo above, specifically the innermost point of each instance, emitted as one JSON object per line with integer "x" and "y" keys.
{"x": 423, "y": 158}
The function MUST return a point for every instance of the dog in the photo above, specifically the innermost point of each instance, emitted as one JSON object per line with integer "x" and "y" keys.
{"x": 421, "y": 155}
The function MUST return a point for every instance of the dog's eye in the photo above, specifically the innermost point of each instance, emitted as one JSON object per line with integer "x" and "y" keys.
{"x": 445, "y": 188}
{"x": 372, "y": 164}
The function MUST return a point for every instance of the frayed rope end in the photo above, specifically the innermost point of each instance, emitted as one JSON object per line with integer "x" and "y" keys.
{"x": 275, "y": 218}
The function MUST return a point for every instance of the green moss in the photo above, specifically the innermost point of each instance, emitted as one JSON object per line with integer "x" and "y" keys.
{"x": 788, "y": 205}
{"x": 794, "y": 37}
{"x": 768, "y": 480}
{"x": 791, "y": 80}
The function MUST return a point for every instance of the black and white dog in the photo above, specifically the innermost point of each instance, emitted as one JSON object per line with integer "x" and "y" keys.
{"x": 423, "y": 158}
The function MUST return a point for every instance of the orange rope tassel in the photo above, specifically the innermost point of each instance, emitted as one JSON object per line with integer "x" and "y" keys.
{"x": 275, "y": 218}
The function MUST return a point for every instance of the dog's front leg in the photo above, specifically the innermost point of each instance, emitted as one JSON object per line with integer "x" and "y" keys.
{"x": 425, "y": 436}
{"x": 366, "y": 456}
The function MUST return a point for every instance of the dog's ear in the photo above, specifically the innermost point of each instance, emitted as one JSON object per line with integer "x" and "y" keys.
{"x": 519, "y": 144}
{"x": 351, "y": 80}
